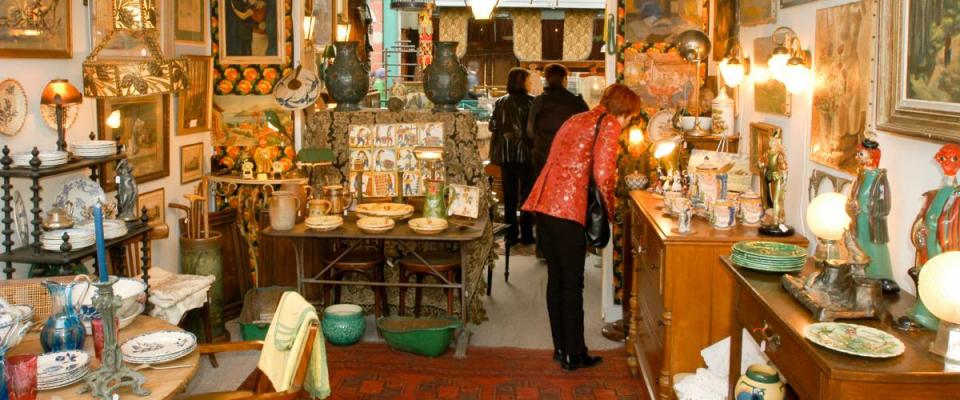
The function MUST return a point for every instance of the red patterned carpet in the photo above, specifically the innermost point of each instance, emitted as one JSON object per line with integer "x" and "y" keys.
{"x": 373, "y": 371}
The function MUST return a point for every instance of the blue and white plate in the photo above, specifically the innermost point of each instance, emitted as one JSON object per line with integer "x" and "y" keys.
{"x": 158, "y": 347}
{"x": 297, "y": 97}
{"x": 61, "y": 368}
{"x": 78, "y": 196}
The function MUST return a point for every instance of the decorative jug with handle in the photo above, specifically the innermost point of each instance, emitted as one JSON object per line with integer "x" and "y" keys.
{"x": 303, "y": 192}
{"x": 319, "y": 207}
{"x": 283, "y": 210}
{"x": 339, "y": 197}
{"x": 435, "y": 201}
{"x": 63, "y": 330}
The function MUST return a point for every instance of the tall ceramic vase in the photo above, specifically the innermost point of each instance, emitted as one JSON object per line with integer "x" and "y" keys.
{"x": 348, "y": 78}
{"x": 204, "y": 256}
{"x": 445, "y": 80}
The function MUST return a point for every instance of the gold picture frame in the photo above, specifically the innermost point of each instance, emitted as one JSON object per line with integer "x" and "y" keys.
{"x": 127, "y": 44}
{"x": 144, "y": 131}
{"x": 189, "y": 22}
{"x": 23, "y": 41}
{"x": 195, "y": 103}
{"x": 758, "y": 12}
{"x": 154, "y": 201}
{"x": 191, "y": 162}
{"x": 234, "y": 45}
{"x": 760, "y": 134}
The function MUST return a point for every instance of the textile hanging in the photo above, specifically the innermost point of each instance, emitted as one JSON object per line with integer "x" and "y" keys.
{"x": 453, "y": 27}
{"x": 425, "y": 52}
{"x": 527, "y": 35}
{"x": 578, "y": 34}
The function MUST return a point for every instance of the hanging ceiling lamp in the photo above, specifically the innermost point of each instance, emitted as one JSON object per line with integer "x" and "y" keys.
{"x": 482, "y": 9}
{"x": 133, "y": 77}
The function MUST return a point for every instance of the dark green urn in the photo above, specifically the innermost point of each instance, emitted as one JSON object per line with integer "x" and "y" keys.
{"x": 445, "y": 79}
{"x": 348, "y": 79}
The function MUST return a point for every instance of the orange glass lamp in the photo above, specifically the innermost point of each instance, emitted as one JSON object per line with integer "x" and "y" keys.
{"x": 937, "y": 288}
{"x": 59, "y": 93}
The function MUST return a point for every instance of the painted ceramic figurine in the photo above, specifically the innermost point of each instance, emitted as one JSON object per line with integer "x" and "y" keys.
{"x": 936, "y": 228}
{"x": 774, "y": 168}
{"x": 126, "y": 192}
{"x": 868, "y": 206}
{"x": 261, "y": 156}
{"x": 685, "y": 213}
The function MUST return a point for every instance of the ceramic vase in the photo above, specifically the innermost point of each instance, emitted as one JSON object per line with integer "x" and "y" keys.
{"x": 751, "y": 209}
{"x": 284, "y": 207}
{"x": 445, "y": 80}
{"x": 348, "y": 79}
{"x": 63, "y": 329}
{"x": 343, "y": 324}
{"x": 761, "y": 382}
{"x": 723, "y": 114}
{"x": 723, "y": 214}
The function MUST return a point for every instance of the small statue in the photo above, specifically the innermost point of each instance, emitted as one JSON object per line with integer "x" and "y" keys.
{"x": 685, "y": 213}
{"x": 677, "y": 185}
{"x": 261, "y": 156}
{"x": 774, "y": 179}
{"x": 126, "y": 192}
{"x": 277, "y": 169}
{"x": 868, "y": 207}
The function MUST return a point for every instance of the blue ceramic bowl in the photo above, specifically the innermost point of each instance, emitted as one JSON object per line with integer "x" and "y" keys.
{"x": 343, "y": 324}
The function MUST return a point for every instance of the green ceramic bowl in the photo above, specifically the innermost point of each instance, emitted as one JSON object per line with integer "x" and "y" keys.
{"x": 343, "y": 324}
{"x": 425, "y": 336}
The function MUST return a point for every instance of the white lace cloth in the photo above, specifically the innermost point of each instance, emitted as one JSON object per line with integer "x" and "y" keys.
{"x": 711, "y": 383}
{"x": 172, "y": 295}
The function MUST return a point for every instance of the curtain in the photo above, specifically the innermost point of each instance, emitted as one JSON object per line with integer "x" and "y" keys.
{"x": 578, "y": 34}
{"x": 453, "y": 27}
{"x": 527, "y": 36}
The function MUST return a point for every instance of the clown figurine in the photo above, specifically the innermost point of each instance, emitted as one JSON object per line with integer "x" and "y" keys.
{"x": 868, "y": 207}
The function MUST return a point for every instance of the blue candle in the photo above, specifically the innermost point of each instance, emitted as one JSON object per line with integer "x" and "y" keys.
{"x": 101, "y": 246}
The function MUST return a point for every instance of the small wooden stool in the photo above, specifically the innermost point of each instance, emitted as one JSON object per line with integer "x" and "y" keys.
{"x": 364, "y": 261}
{"x": 444, "y": 263}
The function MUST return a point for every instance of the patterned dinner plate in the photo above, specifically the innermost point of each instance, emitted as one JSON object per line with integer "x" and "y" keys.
{"x": 13, "y": 107}
{"x": 858, "y": 340}
{"x": 156, "y": 347}
{"x": 770, "y": 249}
{"x": 53, "y": 367}
{"x": 78, "y": 195}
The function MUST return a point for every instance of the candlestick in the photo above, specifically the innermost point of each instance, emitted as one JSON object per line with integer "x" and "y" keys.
{"x": 101, "y": 246}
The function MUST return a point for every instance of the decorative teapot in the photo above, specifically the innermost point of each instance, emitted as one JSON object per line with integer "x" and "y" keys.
{"x": 339, "y": 198}
{"x": 57, "y": 218}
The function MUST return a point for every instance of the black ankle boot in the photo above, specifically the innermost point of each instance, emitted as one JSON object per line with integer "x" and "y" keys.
{"x": 557, "y": 355}
{"x": 571, "y": 363}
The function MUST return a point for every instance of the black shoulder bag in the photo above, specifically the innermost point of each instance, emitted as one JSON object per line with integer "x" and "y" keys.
{"x": 596, "y": 229}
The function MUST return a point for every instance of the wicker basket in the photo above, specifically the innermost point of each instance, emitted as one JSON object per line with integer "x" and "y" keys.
{"x": 31, "y": 292}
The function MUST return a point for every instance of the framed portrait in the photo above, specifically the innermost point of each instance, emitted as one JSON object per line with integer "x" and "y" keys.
{"x": 915, "y": 94}
{"x": 246, "y": 119}
{"x": 724, "y": 27}
{"x": 251, "y": 32}
{"x": 791, "y": 3}
{"x": 657, "y": 21}
{"x": 189, "y": 24}
{"x": 662, "y": 80}
{"x": 35, "y": 29}
{"x": 770, "y": 95}
{"x": 125, "y": 43}
{"x": 191, "y": 162}
{"x": 758, "y": 12}
{"x": 143, "y": 131}
{"x": 760, "y": 134}
{"x": 840, "y": 103}
{"x": 154, "y": 201}
{"x": 195, "y": 103}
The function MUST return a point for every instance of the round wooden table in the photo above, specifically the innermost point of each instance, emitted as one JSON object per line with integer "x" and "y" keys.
{"x": 163, "y": 384}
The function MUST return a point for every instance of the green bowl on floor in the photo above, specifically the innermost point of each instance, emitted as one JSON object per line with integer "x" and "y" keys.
{"x": 343, "y": 324}
{"x": 424, "y": 336}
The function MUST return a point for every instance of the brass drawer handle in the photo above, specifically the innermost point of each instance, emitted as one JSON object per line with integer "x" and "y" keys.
{"x": 660, "y": 322}
{"x": 769, "y": 336}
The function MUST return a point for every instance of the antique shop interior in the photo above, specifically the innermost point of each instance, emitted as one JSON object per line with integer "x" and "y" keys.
{"x": 479, "y": 199}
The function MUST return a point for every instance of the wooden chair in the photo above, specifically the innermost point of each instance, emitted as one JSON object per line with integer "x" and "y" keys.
{"x": 257, "y": 386}
{"x": 367, "y": 261}
{"x": 411, "y": 266}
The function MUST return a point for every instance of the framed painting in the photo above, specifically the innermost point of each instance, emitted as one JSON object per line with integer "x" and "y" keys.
{"x": 252, "y": 32}
{"x": 662, "y": 80}
{"x": 724, "y": 27}
{"x": 189, "y": 24}
{"x": 656, "y": 21}
{"x": 770, "y": 96}
{"x": 35, "y": 29}
{"x": 154, "y": 201}
{"x": 758, "y": 12}
{"x": 144, "y": 132}
{"x": 915, "y": 94}
{"x": 191, "y": 163}
{"x": 195, "y": 103}
{"x": 760, "y": 134}
{"x": 791, "y": 3}
{"x": 323, "y": 10}
{"x": 125, "y": 43}
{"x": 245, "y": 120}
{"x": 840, "y": 103}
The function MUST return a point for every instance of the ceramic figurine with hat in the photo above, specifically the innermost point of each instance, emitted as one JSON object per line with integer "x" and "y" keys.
{"x": 868, "y": 207}
{"x": 774, "y": 181}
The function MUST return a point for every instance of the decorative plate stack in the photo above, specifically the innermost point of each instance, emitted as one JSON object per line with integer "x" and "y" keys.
{"x": 769, "y": 256}
{"x": 63, "y": 368}
{"x": 324, "y": 223}
{"x": 78, "y": 238}
{"x": 95, "y": 148}
{"x": 112, "y": 228}
{"x": 158, "y": 347}
{"x": 47, "y": 158}
{"x": 375, "y": 224}
{"x": 428, "y": 226}
{"x": 394, "y": 211}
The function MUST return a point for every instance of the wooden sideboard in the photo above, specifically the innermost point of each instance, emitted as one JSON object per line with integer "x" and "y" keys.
{"x": 679, "y": 294}
{"x": 769, "y": 313}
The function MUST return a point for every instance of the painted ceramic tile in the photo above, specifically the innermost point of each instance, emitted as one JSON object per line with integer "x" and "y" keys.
{"x": 385, "y": 135}
{"x": 432, "y": 134}
{"x": 661, "y": 80}
{"x": 384, "y": 160}
{"x": 465, "y": 200}
{"x": 360, "y": 160}
{"x": 407, "y": 135}
{"x": 406, "y": 160}
{"x": 360, "y": 136}
{"x": 770, "y": 96}
{"x": 411, "y": 184}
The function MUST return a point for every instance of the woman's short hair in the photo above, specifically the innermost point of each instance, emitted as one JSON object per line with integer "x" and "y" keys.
{"x": 517, "y": 81}
{"x": 620, "y": 101}
{"x": 554, "y": 74}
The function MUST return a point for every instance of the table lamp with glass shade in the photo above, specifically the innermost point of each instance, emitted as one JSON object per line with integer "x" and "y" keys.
{"x": 938, "y": 289}
{"x": 60, "y": 94}
{"x": 827, "y": 218}
{"x": 694, "y": 46}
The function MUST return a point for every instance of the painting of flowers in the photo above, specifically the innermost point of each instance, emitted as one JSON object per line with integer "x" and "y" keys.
{"x": 246, "y": 120}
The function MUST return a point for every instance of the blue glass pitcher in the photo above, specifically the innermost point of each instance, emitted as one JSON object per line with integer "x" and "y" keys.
{"x": 64, "y": 330}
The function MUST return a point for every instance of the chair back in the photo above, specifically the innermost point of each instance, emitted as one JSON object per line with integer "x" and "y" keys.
{"x": 290, "y": 304}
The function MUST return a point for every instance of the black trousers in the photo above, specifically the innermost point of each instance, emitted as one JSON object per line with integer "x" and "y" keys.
{"x": 564, "y": 248}
{"x": 517, "y": 180}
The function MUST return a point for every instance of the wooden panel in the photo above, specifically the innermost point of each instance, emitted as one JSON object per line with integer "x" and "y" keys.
{"x": 552, "y": 31}
{"x": 278, "y": 264}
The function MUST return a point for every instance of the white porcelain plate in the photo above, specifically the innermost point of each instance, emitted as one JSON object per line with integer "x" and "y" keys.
{"x": 858, "y": 340}
{"x": 52, "y": 367}
{"x": 78, "y": 195}
{"x": 660, "y": 125}
{"x": 161, "y": 346}
{"x": 13, "y": 107}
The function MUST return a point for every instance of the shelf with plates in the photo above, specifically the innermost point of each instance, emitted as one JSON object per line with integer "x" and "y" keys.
{"x": 74, "y": 164}
{"x": 28, "y": 254}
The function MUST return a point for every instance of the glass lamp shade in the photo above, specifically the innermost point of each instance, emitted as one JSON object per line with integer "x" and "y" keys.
{"x": 68, "y": 93}
{"x": 635, "y": 137}
{"x": 778, "y": 64}
{"x": 732, "y": 71}
{"x": 796, "y": 77}
{"x": 937, "y": 286}
{"x": 482, "y": 9}
{"x": 827, "y": 216}
{"x": 664, "y": 148}
{"x": 308, "y": 23}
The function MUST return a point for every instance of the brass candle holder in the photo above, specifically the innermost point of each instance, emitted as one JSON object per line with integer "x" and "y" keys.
{"x": 112, "y": 374}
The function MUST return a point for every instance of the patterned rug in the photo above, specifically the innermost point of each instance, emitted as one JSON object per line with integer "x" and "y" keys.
{"x": 373, "y": 371}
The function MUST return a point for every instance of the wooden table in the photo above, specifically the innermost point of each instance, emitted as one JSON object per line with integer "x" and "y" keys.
{"x": 769, "y": 313}
{"x": 163, "y": 384}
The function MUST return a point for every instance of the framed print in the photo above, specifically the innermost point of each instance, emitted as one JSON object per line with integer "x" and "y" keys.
{"x": 791, "y": 3}
{"x": 143, "y": 131}
{"x": 251, "y": 32}
{"x": 657, "y": 21}
{"x": 915, "y": 94}
{"x": 191, "y": 162}
{"x": 724, "y": 27}
{"x": 244, "y": 120}
{"x": 195, "y": 103}
{"x": 662, "y": 80}
{"x": 189, "y": 24}
{"x": 154, "y": 201}
{"x": 840, "y": 102}
{"x": 125, "y": 43}
{"x": 760, "y": 134}
{"x": 758, "y": 12}
{"x": 35, "y": 29}
{"x": 770, "y": 96}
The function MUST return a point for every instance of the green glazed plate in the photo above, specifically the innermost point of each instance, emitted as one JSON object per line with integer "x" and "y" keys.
{"x": 854, "y": 339}
{"x": 772, "y": 260}
{"x": 770, "y": 249}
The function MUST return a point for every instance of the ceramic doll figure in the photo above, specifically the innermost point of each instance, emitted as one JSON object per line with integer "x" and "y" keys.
{"x": 774, "y": 167}
{"x": 126, "y": 192}
{"x": 868, "y": 207}
{"x": 685, "y": 213}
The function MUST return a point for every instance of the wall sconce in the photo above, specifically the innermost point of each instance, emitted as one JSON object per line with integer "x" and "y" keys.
{"x": 790, "y": 63}
{"x": 735, "y": 67}
{"x": 482, "y": 9}
{"x": 60, "y": 94}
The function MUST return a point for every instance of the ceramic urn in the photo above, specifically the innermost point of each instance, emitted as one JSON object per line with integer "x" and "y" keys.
{"x": 445, "y": 80}
{"x": 348, "y": 79}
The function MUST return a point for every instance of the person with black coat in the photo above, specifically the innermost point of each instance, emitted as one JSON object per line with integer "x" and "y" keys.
{"x": 510, "y": 150}
{"x": 548, "y": 113}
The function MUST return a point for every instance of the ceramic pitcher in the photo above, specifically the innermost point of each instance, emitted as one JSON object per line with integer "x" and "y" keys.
{"x": 318, "y": 207}
{"x": 63, "y": 329}
{"x": 283, "y": 210}
{"x": 303, "y": 192}
{"x": 761, "y": 382}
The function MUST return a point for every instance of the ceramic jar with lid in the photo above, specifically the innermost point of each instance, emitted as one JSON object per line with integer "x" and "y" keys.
{"x": 751, "y": 209}
{"x": 708, "y": 186}
{"x": 284, "y": 206}
{"x": 761, "y": 382}
{"x": 723, "y": 214}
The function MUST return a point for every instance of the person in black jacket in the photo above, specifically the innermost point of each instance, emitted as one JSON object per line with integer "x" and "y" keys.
{"x": 510, "y": 149}
{"x": 549, "y": 111}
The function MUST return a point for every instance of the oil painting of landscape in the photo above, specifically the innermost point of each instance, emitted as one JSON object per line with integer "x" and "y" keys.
{"x": 245, "y": 120}
{"x": 932, "y": 64}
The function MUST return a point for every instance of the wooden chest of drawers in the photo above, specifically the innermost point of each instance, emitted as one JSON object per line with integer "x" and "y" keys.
{"x": 679, "y": 295}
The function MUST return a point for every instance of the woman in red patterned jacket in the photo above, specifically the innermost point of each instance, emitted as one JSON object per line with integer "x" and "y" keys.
{"x": 559, "y": 199}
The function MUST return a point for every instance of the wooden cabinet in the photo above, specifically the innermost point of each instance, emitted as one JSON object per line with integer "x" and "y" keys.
{"x": 679, "y": 293}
